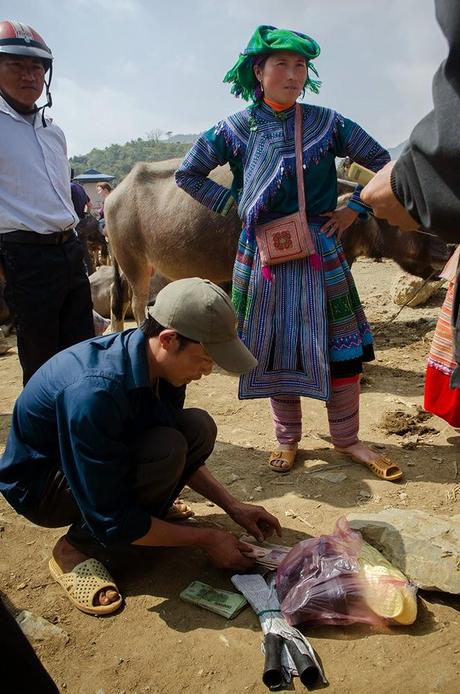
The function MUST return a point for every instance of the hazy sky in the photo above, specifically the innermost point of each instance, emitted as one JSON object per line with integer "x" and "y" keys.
{"x": 127, "y": 67}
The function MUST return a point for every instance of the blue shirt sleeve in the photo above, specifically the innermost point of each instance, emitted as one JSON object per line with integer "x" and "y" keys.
{"x": 91, "y": 416}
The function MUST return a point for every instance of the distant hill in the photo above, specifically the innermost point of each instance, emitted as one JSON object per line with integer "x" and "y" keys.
{"x": 118, "y": 160}
{"x": 188, "y": 137}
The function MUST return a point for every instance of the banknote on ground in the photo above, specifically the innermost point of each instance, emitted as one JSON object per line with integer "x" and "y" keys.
{"x": 224, "y": 602}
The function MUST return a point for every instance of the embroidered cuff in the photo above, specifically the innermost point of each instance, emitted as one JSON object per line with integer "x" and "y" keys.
{"x": 359, "y": 207}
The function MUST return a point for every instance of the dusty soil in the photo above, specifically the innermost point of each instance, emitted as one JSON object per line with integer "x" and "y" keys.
{"x": 159, "y": 644}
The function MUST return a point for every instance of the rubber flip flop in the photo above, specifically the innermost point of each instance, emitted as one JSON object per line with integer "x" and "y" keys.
{"x": 382, "y": 467}
{"x": 83, "y": 583}
{"x": 282, "y": 456}
{"x": 179, "y": 511}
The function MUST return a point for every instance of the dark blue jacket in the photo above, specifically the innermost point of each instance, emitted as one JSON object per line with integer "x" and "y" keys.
{"x": 82, "y": 410}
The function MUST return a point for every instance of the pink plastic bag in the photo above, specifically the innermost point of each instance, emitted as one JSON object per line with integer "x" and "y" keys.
{"x": 320, "y": 581}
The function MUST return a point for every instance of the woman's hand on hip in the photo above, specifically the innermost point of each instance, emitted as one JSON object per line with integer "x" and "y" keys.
{"x": 338, "y": 221}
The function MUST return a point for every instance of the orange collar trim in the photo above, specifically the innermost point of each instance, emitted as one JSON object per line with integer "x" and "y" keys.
{"x": 276, "y": 106}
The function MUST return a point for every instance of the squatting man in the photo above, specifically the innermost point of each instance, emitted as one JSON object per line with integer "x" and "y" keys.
{"x": 100, "y": 440}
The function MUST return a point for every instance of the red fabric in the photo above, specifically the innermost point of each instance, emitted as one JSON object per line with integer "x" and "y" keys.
{"x": 440, "y": 398}
{"x": 345, "y": 381}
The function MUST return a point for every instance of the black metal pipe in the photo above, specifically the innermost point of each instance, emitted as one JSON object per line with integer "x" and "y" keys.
{"x": 273, "y": 675}
{"x": 306, "y": 667}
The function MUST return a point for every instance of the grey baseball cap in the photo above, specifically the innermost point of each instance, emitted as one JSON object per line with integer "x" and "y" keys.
{"x": 202, "y": 311}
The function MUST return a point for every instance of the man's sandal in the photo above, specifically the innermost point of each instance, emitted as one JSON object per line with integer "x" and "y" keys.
{"x": 179, "y": 511}
{"x": 83, "y": 583}
{"x": 382, "y": 466}
{"x": 282, "y": 457}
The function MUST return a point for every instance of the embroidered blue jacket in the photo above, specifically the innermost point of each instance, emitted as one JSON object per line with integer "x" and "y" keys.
{"x": 259, "y": 146}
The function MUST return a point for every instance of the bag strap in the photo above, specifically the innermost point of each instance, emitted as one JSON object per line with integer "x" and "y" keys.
{"x": 299, "y": 158}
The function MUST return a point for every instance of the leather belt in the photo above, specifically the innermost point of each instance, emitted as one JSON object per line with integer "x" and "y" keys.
{"x": 54, "y": 239}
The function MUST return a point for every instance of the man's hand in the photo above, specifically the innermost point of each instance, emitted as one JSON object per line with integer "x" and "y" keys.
{"x": 379, "y": 195}
{"x": 256, "y": 520}
{"x": 224, "y": 550}
{"x": 339, "y": 220}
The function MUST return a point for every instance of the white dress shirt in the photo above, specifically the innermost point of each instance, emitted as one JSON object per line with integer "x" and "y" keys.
{"x": 34, "y": 175}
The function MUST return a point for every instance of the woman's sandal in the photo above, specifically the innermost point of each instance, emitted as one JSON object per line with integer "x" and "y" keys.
{"x": 84, "y": 582}
{"x": 382, "y": 466}
{"x": 284, "y": 457}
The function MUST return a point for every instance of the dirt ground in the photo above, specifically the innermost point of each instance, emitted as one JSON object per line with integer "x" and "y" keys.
{"x": 159, "y": 644}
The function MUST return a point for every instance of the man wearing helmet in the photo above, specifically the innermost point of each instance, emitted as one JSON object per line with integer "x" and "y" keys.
{"x": 47, "y": 290}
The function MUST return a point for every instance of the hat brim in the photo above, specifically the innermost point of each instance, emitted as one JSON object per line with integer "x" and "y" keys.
{"x": 232, "y": 356}
{"x": 27, "y": 52}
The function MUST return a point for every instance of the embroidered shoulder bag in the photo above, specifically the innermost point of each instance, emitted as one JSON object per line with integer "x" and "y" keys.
{"x": 288, "y": 238}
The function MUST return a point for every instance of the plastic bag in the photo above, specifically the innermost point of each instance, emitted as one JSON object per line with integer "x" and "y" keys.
{"x": 340, "y": 579}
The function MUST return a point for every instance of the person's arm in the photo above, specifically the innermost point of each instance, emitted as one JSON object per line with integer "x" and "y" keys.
{"x": 255, "y": 519}
{"x": 222, "y": 547}
{"x": 97, "y": 465}
{"x": 208, "y": 152}
{"x": 353, "y": 142}
{"x": 379, "y": 195}
{"x": 422, "y": 188}
{"x": 360, "y": 147}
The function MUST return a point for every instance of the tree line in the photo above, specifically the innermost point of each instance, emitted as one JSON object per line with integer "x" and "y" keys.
{"x": 118, "y": 160}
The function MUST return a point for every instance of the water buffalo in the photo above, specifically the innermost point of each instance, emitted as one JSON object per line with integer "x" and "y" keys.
{"x": 95, "y": 249}
{"x": 101, "y": 282}
{"x": 417, "y": 253}
{"x": 155, "y": 228}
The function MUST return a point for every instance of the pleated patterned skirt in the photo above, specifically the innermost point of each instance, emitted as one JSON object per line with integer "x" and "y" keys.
{"x": 302, "y": 326}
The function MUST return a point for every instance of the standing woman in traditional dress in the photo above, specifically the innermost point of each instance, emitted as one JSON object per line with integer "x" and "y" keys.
{"x": 302, "y": 319}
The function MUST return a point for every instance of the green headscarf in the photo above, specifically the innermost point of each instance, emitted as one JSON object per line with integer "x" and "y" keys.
{"x": 268, "y": 39}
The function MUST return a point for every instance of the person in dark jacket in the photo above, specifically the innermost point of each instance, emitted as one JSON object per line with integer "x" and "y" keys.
{"x": 80, "y": 198}
{"x": 100, "y": 441}
{"x": 422, "y": 189}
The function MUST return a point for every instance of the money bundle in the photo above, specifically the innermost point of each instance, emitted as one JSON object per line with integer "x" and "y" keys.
{"x": 264, "y": 553}
{"x": 223, "y": 602}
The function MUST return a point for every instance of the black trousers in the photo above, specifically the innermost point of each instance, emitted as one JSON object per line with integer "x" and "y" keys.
{"x": 163, "y": 460}
{"x": 48, "y": 295}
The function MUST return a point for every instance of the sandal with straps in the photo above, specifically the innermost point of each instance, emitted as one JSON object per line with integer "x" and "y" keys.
{"x": 179, "y": 511}
{"x": 284, "y": 457}
{"x": 83, "y": 583}
{"x": 382, "y": 467}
